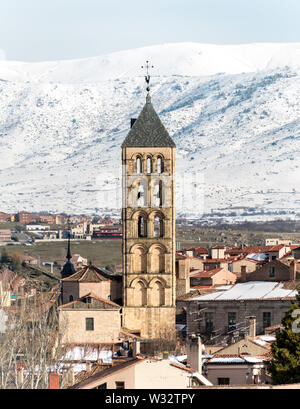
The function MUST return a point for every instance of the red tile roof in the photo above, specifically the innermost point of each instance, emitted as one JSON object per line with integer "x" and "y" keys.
{"x": 206, "y": 273}
{"x": 277, "y": 247}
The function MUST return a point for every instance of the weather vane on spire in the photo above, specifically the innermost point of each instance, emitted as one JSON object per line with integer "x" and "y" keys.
{"x": 147, "y": 76}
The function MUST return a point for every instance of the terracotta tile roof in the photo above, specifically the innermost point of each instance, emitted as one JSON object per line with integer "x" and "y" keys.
{"x": 233, "y": 359}
{"x": 94, "y": 297}
{"x": 107, "y": 372}
{"x": 129, "y": 335}
{"x": 248, "y": 250}
{"x": 205, "y": 273}
{"x": 90, "y": 274}
{"x": 278, "y": 247}
{"x": 180, "y": 256}
{"x": 201, "y": 250}
{"x": 183, "y": 367}
{"x": 218, "y": 260}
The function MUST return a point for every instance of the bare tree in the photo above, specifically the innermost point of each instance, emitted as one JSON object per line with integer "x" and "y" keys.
{"x": 30, "y": 346}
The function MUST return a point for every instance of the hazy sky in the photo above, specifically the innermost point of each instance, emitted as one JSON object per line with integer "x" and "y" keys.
{"x": 40, "y": 30}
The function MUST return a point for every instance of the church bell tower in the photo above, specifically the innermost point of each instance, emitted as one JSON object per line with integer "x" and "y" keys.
{"x": 148, "y": 216}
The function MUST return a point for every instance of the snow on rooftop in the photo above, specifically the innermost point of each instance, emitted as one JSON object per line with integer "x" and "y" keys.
{"x": 234, "y": 360}
{"x": 250, "y": 290}
{"x": 257, "y": 256}
{"x": 79, "y": 353}
{"x": 226, "y": 359}
{"x": 260, "y": 342}
{"x": 267, "y": 338}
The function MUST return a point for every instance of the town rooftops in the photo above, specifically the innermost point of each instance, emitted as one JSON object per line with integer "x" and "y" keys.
{"x": 201, "y": 250}
{"x": 205, "y": 273}
{"x": 90, "y": 301}
{"x": 89, "y": 274}
{"x": 251, "y": 290}
{"x": 148, "y": 130}
{"x": 106, "y": 372}
{"x": 248, "y": 250}
{"x": 218, "y": 260}
{"x": 219, "y": 359}
{"x": 278, "y": 247}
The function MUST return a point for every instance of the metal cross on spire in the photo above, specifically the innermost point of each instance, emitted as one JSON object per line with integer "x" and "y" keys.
{"x": 147, "y": 76}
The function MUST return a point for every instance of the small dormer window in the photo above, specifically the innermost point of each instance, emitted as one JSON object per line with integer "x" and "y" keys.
{"x": 89, "y": 300}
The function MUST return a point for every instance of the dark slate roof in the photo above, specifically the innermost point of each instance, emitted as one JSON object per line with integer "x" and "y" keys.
{"x": 148, "y": 130}
{"x": 68, "y": 269}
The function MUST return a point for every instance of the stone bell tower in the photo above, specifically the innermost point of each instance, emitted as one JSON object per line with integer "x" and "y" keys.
{"x": 149, "y": 278}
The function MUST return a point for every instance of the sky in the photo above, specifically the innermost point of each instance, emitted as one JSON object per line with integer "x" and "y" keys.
{"x": 44, "y": 30}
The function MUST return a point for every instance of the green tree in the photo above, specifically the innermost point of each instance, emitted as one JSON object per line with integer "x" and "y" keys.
{"x": 285, "y": 365}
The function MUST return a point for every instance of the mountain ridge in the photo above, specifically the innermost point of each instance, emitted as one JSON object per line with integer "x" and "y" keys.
{"x": 237, "y": 136}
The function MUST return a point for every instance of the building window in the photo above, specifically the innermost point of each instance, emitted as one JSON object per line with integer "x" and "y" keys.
{"x": 158, "y": 227}
{"x": 141, "y": 195}
{"x": 138, "y": 165}
{"x": 223, "y": 381}
{"x": 158, "y": 193}
{"x": 89, "y": 324}
{"x": 272, "y": 271}
{"x": 266, "y": 319}
{"x": 120, "y": 385}
{"x": 231, "y": 321}
{"x": 102, "y": 386}
{"x": 208, "y": 322}
{"x": 149, "y": 165}
{"x": 142, "y": 227}
{"x": 159, "y": 165}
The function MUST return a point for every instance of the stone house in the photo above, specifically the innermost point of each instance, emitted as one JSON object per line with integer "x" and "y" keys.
{"x": 277, "y": 252}
{"x": 212, "y": 263}
{"x": 89, "y": 320}
{"x": 183, "y": 267}
{"x": 235, "y": 370}
{"x": 217, "y": 276}
{"x": 275, "y": 270}
{"x": 251, "y": 264}
{"x": 144, "y": 373}
{"x": 224, "y": 313}
{"x": 218, "y": 252}
{"x": 91, "y": 279}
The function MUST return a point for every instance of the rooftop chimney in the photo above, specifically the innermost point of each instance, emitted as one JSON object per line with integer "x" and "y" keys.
{"x": 252, "y": 327}
{"x": 194, "y": 353}
{"x": 53, "y": 380}
{"x": 132, "y": 121}
{"x": 243, "y": 274}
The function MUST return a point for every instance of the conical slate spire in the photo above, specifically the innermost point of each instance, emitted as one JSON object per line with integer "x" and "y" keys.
{"x": 68, "y": 268}
{"x": 148, "y": 130}
{"x": 69, "y": 256}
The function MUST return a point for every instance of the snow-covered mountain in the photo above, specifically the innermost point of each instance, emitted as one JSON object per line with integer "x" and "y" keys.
{"x": 233, "y": 111}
